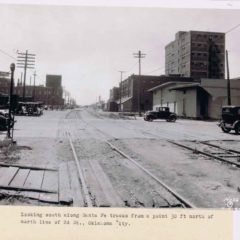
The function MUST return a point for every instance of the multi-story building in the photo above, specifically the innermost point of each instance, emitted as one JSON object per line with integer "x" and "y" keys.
{"x": 51, "y": 94}
{"x": 4, "y": 85}
{"x": 135, "y": 94}
{"x": 34, "y": 93}
{"x": 196, "y": 54}
{"x": 112, "y": 105}
{"x": 55, "y": 83}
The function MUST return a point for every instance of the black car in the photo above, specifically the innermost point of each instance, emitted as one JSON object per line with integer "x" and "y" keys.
{"x": 160, "y": 113}
{"x": 4, "y": 120}
{"x": 230, "y": 119}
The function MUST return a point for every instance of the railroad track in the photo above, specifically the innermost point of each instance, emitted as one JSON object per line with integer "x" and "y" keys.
{"x": 183, "y": 202}
{"x": 227, "y": 156}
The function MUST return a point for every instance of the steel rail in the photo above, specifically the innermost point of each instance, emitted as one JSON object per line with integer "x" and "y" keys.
{"x": 222, "y": 148}
{"x": 175, "y": 194}
{"x": 206, "y": 154}
{"x": 180, "y": 198}
{"x": 80, "y": 174}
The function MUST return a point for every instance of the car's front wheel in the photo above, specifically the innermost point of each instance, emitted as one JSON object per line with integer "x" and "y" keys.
{"x": 237, "y": 128}
{"x": 224, "y": 128}
{"x": 149, "y": 118}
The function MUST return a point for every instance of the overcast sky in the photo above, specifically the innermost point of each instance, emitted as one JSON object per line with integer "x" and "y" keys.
{"x": 88, "y": 46}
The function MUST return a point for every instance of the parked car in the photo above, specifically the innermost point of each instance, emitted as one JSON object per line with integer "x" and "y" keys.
{"x": 230, "y": 119}
{"x": 4, "y": 120}
{"x": 30, "y": 108}
{"x": 160, "y": 113}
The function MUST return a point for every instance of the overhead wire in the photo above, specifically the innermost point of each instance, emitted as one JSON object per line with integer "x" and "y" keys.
{"x": 5, "y": 53}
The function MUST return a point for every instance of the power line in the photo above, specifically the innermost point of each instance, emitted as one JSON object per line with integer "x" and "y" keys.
{"x": 5, "y": 53}
{"x": 133, "y": 66}
{"x": 231, "y": 29}
{"x": 154, "y": 70}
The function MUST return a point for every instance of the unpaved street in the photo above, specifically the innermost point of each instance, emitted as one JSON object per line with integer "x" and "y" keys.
{"x": 119, "y": 162}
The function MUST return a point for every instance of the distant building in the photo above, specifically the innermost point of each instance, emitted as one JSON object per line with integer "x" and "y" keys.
{"x": 4, "y": 85}
{"x": 112, "y": 104}
{"x": 132, "y": 87}
{"x": 55, "y": 83}
{"x": 196, "y": 54}
{"x": 34, "y": 93}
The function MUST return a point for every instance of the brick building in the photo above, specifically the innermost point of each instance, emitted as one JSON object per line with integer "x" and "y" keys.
{"x": 112, "y": 105}
{"x": 4, "y": 85}
{"x": 131, "y": 88}
{"x": 196, "y": 54}
{"x": 49, "y": 95}
{"x": 34, "y": 93}
{"x": 55, "y": 83}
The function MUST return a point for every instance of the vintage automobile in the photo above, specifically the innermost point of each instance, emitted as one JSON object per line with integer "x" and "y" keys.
{"x": 230, "y": 119}
{"x": 160, "y": 113}
{"x": 29, "y": 108}
{"x": 4, "y": 120}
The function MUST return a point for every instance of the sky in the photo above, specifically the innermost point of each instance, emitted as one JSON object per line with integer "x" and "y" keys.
{"x": 88, "y": 46}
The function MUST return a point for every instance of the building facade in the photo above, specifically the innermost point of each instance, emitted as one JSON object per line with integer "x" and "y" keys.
{"x": 196, "y": 54}
{"x": 51, "y": 94}
{"x": 4, "y": 85}
{"x": 112, "y": 104}
{"x": 134, "y": 91}
{"x": 55, "y": 83}
{"x": 34, "y": 93}
{"x": 198, "y": 100}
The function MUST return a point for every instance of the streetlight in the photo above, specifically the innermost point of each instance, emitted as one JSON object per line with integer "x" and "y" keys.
{"x": 12, "y": 68}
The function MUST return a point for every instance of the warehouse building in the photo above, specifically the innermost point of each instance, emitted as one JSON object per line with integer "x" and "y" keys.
{"x": 198, "y": 100}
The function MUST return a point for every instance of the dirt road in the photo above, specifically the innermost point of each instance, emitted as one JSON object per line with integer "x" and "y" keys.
{"x": 112, "y": 179}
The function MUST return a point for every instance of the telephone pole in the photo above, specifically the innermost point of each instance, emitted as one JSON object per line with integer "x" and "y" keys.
{"x": 33, "y": 95}
{"x": 139, "y": 55}
{"x": 120, "y": 92}
{"x": 228, "y": 81}
{"x": 25, "y": 61}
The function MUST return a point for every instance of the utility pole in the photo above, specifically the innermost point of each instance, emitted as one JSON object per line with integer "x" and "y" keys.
{"x": 10, "y": 112}
{"x": 34, "y": 75}
{"x": 228, "y": 82}
{"x": 139, "y": 55}
{"x": 25, "y": 61}
{"x": 120, "y": 92}
{"x": 21, "y": 78}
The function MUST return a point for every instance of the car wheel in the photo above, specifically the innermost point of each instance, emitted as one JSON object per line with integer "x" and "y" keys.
{"x": 150, "y": 119}
{"x": 172, "y": 118}
{"x": 237, "y": 128}
{"x": 225, "y": 129}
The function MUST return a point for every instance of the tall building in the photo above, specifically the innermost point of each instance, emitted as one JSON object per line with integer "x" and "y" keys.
{"x": 135, "y": 89}
{"x": 196, "y": 54}
{"x": 55, "y": 83}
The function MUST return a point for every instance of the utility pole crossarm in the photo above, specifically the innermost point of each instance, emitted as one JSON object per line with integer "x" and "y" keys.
{"x": 26, "y": 61}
